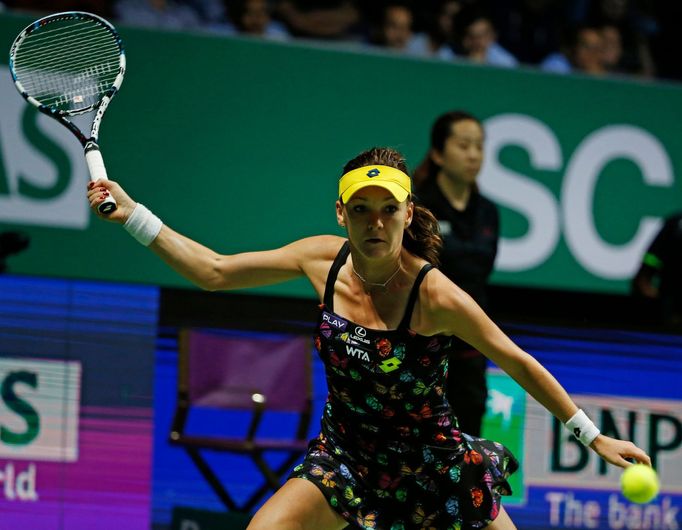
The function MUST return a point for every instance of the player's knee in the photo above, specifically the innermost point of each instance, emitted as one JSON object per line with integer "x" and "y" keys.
{"x": 271, "y": 521}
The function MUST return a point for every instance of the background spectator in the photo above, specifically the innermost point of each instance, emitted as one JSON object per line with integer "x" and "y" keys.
{"x": 582, "y": 52}
{"x": 638, "y": 37}
{"x": 635, "y": 30}
{"x": 529, "y": 29}
{"x": 438, "y": 34}
{"x": 251, "y": 17}
{"x": 157, "y": 13}
{"x": 320, "y": 19}
{"x": 588, "y": 53}
{"x": 478, "y": 38}
{"x": 612, "y": 49}
{"x": 99, "y": 7}
{"x": 393, "y": 29}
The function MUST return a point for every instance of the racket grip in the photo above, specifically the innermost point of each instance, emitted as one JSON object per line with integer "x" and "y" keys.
{"x": 93, "y": 158}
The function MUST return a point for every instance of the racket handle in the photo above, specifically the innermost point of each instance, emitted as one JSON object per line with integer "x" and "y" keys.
{"x": 97, "y": 171}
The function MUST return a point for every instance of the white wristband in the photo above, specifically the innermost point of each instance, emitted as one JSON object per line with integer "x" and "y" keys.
{"x": 582, "y": 427}
{"x": 143, "y": 225}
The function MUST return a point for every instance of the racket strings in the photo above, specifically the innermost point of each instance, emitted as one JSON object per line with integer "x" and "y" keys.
{"x": 39, "y": 36}
{"x": 62, "y": 54}
{"x": 73, "y": 25}
{"x": 68, "y": 67}
{"x": 85, "y": 97}
{"x": 57, "y": 52}
{"x": 104, "y": 64}
{"x": 34, "y": 42}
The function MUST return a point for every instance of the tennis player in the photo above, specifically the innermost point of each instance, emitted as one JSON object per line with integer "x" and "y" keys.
{"x": 390, "y": 454}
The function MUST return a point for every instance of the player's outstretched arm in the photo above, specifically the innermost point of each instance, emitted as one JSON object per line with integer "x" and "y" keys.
{"x": 198, "y": 263}
{"x": 456, "y": 313}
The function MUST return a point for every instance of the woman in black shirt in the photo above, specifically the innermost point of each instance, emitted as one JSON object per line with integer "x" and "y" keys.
{"x": 445, "y": 183}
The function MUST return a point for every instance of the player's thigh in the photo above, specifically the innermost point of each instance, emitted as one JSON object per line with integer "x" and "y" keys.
{"x": 501, "y": 522}
{"x": 298, "y": 505}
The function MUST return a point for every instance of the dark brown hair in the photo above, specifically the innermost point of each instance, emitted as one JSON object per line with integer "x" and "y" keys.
{"x": 441, "y": 130}
{"x": 422, "y": 237}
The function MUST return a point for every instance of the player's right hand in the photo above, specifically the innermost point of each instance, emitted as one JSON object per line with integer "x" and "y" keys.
{"x": 100, "y": 189}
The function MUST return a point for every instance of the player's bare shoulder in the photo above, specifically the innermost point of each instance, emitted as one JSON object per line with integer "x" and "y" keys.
{"x": 318, "y": 252}
{"x": 441, "y": 293}
{"x": 440, "y": 300}
{"x": 314, "y": 248}
{"x": 316, "y": 255}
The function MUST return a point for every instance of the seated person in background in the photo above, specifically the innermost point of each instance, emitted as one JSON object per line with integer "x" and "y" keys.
{"x": 170, "y": 14}
{"x": 659, "y": 277}
{"x": 393, "y": 29}
{"x": 530, "y": 29}
{"x": 319, "y": 19}
{"x": 635, "y": 25}
{"x": 583, "y": 51}
{"x": 439, "y": 34}
{"x": 478, "y": 39}
{"x": 251, "y": 17}
{"x": 612, "y": 49}
{"x": 98, "y": 7}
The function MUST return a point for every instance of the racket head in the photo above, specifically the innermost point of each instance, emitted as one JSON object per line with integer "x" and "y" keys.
{"x": 68, "y": 63}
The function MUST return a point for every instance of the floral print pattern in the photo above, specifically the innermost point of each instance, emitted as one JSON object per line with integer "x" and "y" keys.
{"x": 390, "y": 455}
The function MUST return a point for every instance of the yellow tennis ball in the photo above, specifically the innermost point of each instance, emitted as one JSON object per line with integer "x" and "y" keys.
{"x": 639, "y": 483}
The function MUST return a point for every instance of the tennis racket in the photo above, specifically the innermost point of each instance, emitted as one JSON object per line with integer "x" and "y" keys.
{"x": 68, "y": 64}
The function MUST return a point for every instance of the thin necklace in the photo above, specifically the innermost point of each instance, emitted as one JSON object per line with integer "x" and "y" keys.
{"x": 375, "y": 284}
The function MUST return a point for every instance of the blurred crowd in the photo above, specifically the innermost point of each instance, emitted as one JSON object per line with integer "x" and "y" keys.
{"x": 595, "y": 37}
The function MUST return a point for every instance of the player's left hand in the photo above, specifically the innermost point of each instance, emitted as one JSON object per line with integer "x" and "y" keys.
{"x": 617, "y": 451}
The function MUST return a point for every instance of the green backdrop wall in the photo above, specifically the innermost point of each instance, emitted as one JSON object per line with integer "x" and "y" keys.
{"x": 239, "y": 144}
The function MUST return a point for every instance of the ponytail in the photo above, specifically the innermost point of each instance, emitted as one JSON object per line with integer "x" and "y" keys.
{"x": 422, "y": 238}
{"x": 424, "y": 172}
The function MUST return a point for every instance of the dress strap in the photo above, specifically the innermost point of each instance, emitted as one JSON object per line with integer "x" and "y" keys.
{"x": 405, "y": 323}
{"x": 339, "y": 261}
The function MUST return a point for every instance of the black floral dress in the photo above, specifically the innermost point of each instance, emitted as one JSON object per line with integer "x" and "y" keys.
{"x": 390, "y": 455}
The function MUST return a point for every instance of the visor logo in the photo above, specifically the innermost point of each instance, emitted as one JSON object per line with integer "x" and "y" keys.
{"x": 373, "y": 172}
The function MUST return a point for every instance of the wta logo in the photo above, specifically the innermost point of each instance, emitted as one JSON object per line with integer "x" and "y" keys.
{"x": 358, "y": 353}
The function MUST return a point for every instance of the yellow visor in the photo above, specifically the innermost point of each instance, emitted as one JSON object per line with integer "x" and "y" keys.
{"x": 389, "y": 178}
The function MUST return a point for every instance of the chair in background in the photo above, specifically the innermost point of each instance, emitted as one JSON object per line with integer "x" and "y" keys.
{"x": 260, "y": 374}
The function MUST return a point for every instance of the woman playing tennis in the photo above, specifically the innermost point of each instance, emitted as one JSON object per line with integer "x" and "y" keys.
{"x": 390, "y": 454}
